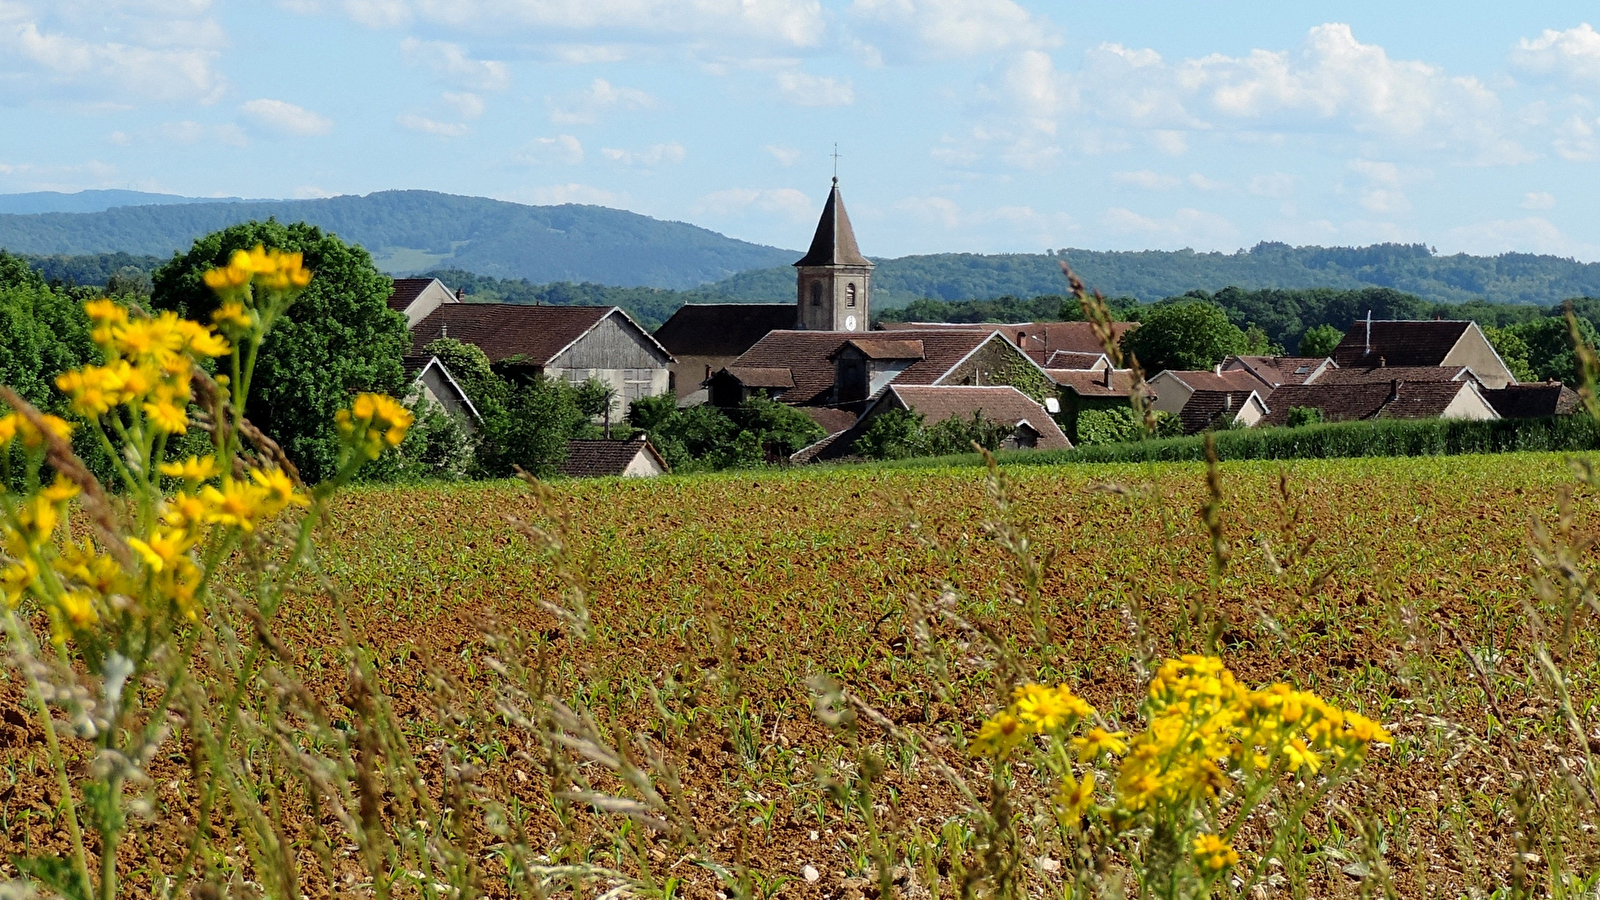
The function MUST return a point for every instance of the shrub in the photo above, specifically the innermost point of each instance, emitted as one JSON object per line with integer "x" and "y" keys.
{"x": 1304, "y": 415}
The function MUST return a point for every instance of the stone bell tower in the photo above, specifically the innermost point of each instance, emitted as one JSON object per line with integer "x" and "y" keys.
{"x": 833, "y": 279}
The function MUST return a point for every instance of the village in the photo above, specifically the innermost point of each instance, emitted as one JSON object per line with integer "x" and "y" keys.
{"x": 823, "y": 357}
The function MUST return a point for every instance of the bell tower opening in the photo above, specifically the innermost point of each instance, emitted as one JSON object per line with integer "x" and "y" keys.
{"x": 834, "y": 280}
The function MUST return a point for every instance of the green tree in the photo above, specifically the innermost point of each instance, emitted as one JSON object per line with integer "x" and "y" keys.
{"x": 1187, "y": 335}
{"x": 894, "y": 434}
{"x": 1549, "y": 344}
{"x": 1117, "y": 425}
{"x": 338, "y": 338}
{"x": 781, "y": 430}
{"x": 1319, "y": 341}
{"x": 1513, "y": 351}
{"x": 540, "y": 417}
{"x": 1304, "y": 415}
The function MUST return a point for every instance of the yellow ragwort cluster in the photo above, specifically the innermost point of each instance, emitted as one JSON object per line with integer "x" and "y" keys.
{"x": 1035, "y": 709}
{"x": 1204, "y": 725}
{"x": 372, "y": 423}
{"x": 147, "y": 368}
{"x": 273, "y": 271}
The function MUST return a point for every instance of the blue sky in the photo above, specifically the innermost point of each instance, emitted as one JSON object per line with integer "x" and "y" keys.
{"x": 979, "y": 125}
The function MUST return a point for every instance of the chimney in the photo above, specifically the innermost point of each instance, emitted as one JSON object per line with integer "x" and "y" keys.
{"x": 461, "y": 294}
{"x": 1383, "y": 362}
{"x": 1369, "y": 333}
{"x": 1108, "y": 376}
{"x": 1394, "y": 391}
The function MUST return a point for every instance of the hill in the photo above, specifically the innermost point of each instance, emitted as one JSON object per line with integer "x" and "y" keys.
{"x": 90, "y": 201}
{"x": 409, "y": 231}
{"x": 1153, "y": 274}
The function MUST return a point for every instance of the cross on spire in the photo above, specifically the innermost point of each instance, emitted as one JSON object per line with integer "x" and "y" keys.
{"x": 835, "y": 162}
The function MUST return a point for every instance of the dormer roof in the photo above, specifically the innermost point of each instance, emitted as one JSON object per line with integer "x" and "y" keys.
{"x": 835, "y": 241}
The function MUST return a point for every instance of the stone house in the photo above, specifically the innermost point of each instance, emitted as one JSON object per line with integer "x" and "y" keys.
{"x": 415, "y": 298}
{"x": 1173, "y": 387}
{"x": 1276, "y": 371}
{"x": 636, "y": 458}
{"x": 1382, "y": 400}
{"x": 1213, "y": 410}
{"x": 574, "y": 343}
{"x": 1533, "y": 401}
{"x": 705, "y": 338}
{"x": 431, "y": 382}
{"x": 1078, "y": 390}
{"x": 1371, "y": 344}
{"x": 1032, "y": 428}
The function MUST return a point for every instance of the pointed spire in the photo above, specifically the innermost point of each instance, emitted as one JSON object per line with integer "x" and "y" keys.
{"x": 835, "y": 241}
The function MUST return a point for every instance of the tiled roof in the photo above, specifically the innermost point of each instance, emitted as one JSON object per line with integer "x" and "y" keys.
{"x": 599, "y": 459}
{"x": 1278, "y": 370}
{"x": 832, "y": 420}
{"x": 880, "y": 348}
{"x": 1347, "y": 402}
{"x": 1208, "y": 380}
{"x": 1386, "y": 374}
{"x": 1074, "y": 359}
{"x": 722, "y": 329}
{"x": 1003, "y": 404}
{"x": 750, "y": 376}
{"x": 506, "y": 330}
{"x": 806, "y": 354}
{"x": 1532, "y": 401}
{"x": 834, "y": 244}
{"x": 406, "y": 290}
{"x": 1399, "y": 343}
{"x": 1093, "y": 384}
{"x": 1039, "y": 340}
{"x": 1205, "y": 409}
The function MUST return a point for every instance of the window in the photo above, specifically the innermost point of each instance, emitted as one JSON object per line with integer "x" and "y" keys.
{"x": 850, "y": 294}
{"x": 816, "y": 293}
{"x": 636, "y": 383}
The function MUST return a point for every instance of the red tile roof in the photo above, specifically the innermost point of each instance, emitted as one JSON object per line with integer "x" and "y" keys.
{"x": 1073, "y": 359}
{"x": 806, "y": 354}
{"x": 1371, "y": 400}
{"x": 1386, "y": 374}
{"x": 1039, "y": 340}
{"x": 601, "y": 459}
{"x": 879, "y": 348}
{"x": 1399, "y": 343}
{"x": 506, "y": 330}
{"x": 832, "y": 420}
{"x": 1278, "y": 370}
{"x": 722, "y": 329}
{"x": 1208, "y": 380}
{"x": 1093, "y": 384}
{"x": 1532, "y": 401}
{"x": 1003, "y": 404}
{"x": 406, "y": 290}
{"x": 750, "y": 376}
{"x": 1207, "y": 409}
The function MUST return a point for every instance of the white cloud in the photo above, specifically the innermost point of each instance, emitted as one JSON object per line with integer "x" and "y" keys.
{"x": 574, "y": 193}
{"x": 285, "y": 118}
{"x": 1202, "y": 183}
{"x": 949, "y": 28}
{"x": 191, "y": 132}
{"x": 787, "y": 202}
{"x": 1538, "y": 200}
{"x": 1172, "y": 143}
{"x": 584, "y": 107}
{"x": 467, "y": 105}
{"x": 1530, "y": 235}
{"x": 114, "y": 54}
{"x": 312, "y": 192}
{"x": 786, "y": 156}
{"x": 1575, "y": 139}
{"x": 1147, "y": 180}
{"x": 452, "y": 63}
{"x": 655, "y": 155}
{"x": 1186, "y": 227}
{"x": 805, "y": 89}
{"x": 1275, "y": 185}
{"x": 563, "y": 148}
{"x": 413, "y": 122}
{"x": 1573, "y": 53}
{"x": 797, "y": 23}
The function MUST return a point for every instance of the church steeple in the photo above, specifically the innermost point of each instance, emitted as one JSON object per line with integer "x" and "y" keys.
{"x": 833, "y": 278}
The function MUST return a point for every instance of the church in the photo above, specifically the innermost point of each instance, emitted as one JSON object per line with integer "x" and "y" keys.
{"x": 833, "y": 292}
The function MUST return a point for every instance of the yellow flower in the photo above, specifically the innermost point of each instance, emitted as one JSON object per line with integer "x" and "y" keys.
{"x": 280, "y": 492}
{"x": 163, "y": 548}
{"x": 185, "y": 511}
{"x": 201, "y": 340}
{"x": 236, "y": 505}
{"x": 1214, "y": 853}
{"x": 1363, "y": 730}
{"x": 1097, "y": 741}
{"x": 1300, "y": 756}
{"x": 232, "y": 315}
{"x": 32, "y": 438}
{"x": 372, "y": 422}
{"x": 193, "y": 470}
{"x": 78, "y": 607}
{"x": 1074, "y": 797}
{"x": 998, "y": 736}
{"x": 168, "y": 417}
{"x": 16, "y": 578}
{"x": 1045, "y": 709}
{"x": 105, "y": 312}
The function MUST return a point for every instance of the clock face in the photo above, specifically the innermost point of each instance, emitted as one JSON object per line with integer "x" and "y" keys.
{"x": 849, "y": 323}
